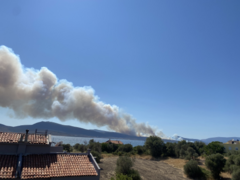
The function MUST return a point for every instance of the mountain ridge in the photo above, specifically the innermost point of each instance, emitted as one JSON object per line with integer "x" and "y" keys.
{"x": 68, "y": 130}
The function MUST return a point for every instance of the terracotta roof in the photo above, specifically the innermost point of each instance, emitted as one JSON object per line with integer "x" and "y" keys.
{"x": 9, "y": 137}
{"x": 8, "y": 164}
{"x": 15, "y": 138}
{"x": 56, "y": 165}
{"x": 114, "y": 142}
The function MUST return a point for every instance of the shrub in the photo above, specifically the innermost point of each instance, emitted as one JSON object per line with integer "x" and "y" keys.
{"x": 199, "y": 147}
{"x": 139, "y": 149}
{"x": 110, "y": 148}
{"x": 125, "y": 148}
{"x": 124, "y": 165}
{"x": 76, "y": 146}
{"x": 97, "y": 155}
{"x": 170, "y": 149}
{"x": 191, "y": 153}
{"x": 155, "y": 145}
{"x": 192, "y": 170}
{"x": 214, "y": 148}
{"x": 82, "y": 148}
{"x": 215, "y": 164}
{"x": 67, "y": 147}
{"x": 236, "y": 174}
{"x": 95, "y": 146}
{"x": 232, "y": 163}
{"x": 237, "y": 161}
{"x": 134, "y": 174}
{"x": 122, "y": 177}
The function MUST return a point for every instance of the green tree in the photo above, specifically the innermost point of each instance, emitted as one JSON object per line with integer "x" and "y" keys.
{"x": 76, "y": 146}
{"x": 155, "y": 145}
{"x": 215, "y": 163}
{"x": 97, "y": 156}
{"x": 170, "y": 149}
{"x": 67, "y": 147}
{"x": 192, "y": 170}
{"x": 124, "y": 165}
{"x": 200, "y": 147}
{"x": 214, "y": 148}
{"x": 232, "y": 163}
{"x": 236, "y": 174}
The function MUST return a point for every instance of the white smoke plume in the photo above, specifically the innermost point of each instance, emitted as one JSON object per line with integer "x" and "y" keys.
{"x": 39, "y": 94}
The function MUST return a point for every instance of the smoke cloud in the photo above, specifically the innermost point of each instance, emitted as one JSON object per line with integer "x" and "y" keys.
{"x": 39, "y": 94}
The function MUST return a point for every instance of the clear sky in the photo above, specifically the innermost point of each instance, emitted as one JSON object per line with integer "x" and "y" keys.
{"x": 172, "y": 64}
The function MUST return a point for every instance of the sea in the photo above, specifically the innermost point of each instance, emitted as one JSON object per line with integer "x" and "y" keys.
{"x": 73, "y": 140}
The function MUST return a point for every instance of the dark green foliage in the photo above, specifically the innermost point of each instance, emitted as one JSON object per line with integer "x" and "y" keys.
{"x": 155, "y": 145}
{"x": 192, "y": 170}
{"x": 215, "y": 164}
{"x": 124, "y": 165}
{"x": 214, "y": 148}
{"x": 110, "y": 148}
{"x": 82, "y": 148}
{"x": 139, "y": 149}
{"x": 199, "y": 147}
{"x": 236, "y": 174}
{"x": 134, "y": 174}
{"x": 170, "y": 149}
{"x": 178, "y": 148}
{"x": 97, "y": 155}
{"x": 76, "y": 146}
{"x": 122, "y": 177}
{"x": 95, "y": 146}
{"x": 232, "y": 163}
{"x": 125, "y": 148}
{"x": 191, "y": 153}
{"x": 67, "y": 147}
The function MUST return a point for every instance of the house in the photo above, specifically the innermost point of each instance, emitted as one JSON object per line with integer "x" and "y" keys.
{"x": 31, "y": 156}
{"x": 113, "y": 142}
{"x": 232, "y": 145}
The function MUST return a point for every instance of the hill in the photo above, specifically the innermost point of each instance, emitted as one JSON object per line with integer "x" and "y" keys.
{"x": 63, "y": 130}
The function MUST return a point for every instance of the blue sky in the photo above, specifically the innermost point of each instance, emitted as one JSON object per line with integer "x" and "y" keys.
{"x": 171, "y": 64}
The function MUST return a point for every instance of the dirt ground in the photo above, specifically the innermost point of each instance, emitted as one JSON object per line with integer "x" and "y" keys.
{"x": 148, "y": 169}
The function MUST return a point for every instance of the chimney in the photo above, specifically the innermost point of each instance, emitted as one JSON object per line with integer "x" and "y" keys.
{"x": 26, "y": 136}
{"x": 88, "y": 152}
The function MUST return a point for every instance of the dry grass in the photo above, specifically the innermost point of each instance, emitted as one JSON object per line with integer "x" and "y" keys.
{"x": 149, "y": 168}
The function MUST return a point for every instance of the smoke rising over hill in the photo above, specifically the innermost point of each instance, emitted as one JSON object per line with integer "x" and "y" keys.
{"x": 39, "y": 94}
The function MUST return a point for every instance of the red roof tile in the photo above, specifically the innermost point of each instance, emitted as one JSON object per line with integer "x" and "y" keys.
{"x": 56, "y": 165}
{"x": 114, "y": 142}
{"x": 6, "y": 137}
{"x": 8, "y": 164}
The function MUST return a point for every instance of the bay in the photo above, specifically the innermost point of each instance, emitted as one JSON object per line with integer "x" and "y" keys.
{"x": 73, "y": 140}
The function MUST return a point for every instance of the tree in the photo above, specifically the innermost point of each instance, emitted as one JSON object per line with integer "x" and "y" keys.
{"x": 236, "y": 174}
{"x": 67, "y": 147}
{"x": 232, "y": 163}
{"x": 214, "y": 148}
{"x": 124, "y": 165}
{"x": 97, "y": 156}
{"x": 76, "y": 146}
{"x": 192, "y": 170}
{"x": 170, "y": 149}
{"x": 155, "y": 145}
{"x": 200, "y": 147}
{"x": 191, "y": 153}
{"x": 215, "y": 164}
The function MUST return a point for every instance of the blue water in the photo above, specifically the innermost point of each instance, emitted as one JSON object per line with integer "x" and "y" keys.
{"x": 80, "y": 140}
